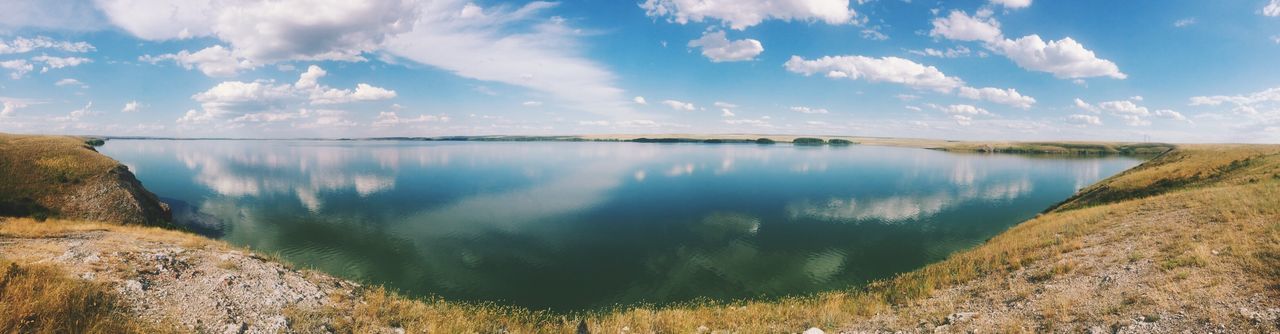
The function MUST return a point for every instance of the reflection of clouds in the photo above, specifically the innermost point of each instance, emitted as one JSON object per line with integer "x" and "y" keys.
{"x": 806, "y": 167}
{"x": 900, "y": 208}
{"x": 679, "y": 170}
{"x": 1087, "y": 172}
{"x": 1007, "y": 191}
{"x": 891, "y": 209}
{"x": 301, "y": 171}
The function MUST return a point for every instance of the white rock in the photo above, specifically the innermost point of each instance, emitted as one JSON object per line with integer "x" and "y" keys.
{"x": 814, "y": 330}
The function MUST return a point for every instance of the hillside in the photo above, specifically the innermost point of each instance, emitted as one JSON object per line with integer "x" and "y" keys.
{"x": 64, "y": 177}
{"x": 1188, "y": 241}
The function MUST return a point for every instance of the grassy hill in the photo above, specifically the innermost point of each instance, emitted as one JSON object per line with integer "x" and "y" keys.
{"x": 58, "y": 176}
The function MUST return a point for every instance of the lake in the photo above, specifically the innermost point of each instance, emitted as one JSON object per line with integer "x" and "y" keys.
{"x": 583, "y": 225}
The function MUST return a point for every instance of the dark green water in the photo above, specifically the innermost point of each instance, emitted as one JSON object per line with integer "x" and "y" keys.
{"x": 572, "y": 226}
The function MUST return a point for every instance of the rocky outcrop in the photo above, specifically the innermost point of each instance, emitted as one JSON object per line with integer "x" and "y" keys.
{"x": 64, "y": 177}
{"x": 116, "y": 196}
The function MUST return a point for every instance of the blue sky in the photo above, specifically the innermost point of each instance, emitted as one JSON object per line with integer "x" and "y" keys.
{"x": 1178, "y": 71}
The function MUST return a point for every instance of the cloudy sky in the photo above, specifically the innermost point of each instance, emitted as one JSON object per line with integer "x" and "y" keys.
{"x": 1179, "y": 71}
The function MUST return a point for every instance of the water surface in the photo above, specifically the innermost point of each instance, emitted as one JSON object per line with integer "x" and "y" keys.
{"x": 570, "y": 226}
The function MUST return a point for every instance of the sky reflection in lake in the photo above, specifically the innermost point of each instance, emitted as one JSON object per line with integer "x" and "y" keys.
{"x": 583, "y": 225}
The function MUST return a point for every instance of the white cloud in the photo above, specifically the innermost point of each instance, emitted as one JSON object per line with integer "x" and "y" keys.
{"x": 24, "y": 45}
{"x": 59, "y": 62}
{"x": 640, "y": 100}
{"x": 1064, "y": 58}
{"x": 1084, "y": 120}
{"x": 511, "y": 46}
{"x": 1009, "y": 97}
{"x": 11, "y": 106}
{"x": 49, "y": 15}
{"x": 505, "y": 44}
{"x": 886, "y": 69}
{"x": 214, "y": 61}
{"x": 1086, "y": 106}
{"x": 230, "y": 99}
{"x": 70, "y": 82}
{"x": 751, "y": 122}
{"x": 132, "y": 106}
{"x": 390, "y": 118}
{"x": 1012, "y": 4}
{"x": 905, "y": 72}
{"x": 725, "y": 112}
{"x": 964, "y": 109}
{"x": 1252, "y": 99}
{"x": 741, "y": 14}
{"x": 956, "y": 52}
{"x": 1131, "y": 113}
{"x": 1272, "y": 9}
{"x": 1170, "y": 114}
{"x": 678, "y": 105}
{"x": 17, "y": 67}
{"x": 720, "y": 49}
{"x": 269, "y": 31}
{"x": 721, "y": 104}
{"x": 807, "y": 110}
{"x": 962, "y": 27}
{"x": 532, "y": 103}
{"x": 77, "y": 114}
{"x": 1182, "y": 23}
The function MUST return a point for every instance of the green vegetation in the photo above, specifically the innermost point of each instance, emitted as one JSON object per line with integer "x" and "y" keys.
{"x": 1060, "y": 148}
{"x": 765, "y": 141}
{"x": 808, "y": 141}
{"x": 840, "y": 142}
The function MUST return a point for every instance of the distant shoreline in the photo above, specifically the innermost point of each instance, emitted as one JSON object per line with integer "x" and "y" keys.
{"x": 1011, "y": 147}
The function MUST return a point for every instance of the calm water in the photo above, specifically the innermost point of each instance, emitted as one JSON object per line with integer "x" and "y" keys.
{"x": 583, "y": 225}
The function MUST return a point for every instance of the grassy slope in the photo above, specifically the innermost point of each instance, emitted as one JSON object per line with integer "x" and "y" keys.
{"x": 42, "y": 299}
{"x": 60, "y": 176}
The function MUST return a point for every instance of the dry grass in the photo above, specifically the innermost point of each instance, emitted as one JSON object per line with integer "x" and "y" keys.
{"x": 42, "y": 299}
{"x": 61, "y": 176}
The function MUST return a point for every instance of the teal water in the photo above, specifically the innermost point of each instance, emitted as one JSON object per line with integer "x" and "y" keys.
{"x": 571, "y": 226}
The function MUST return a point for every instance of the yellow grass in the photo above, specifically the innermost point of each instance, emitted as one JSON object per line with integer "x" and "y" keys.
{"x": 42, "y": 299}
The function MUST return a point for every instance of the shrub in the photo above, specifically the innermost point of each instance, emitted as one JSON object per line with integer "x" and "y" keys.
{"x": 841, "y": 142}
{"x": 808, "y": 141}
{"x": 765, "y": 141}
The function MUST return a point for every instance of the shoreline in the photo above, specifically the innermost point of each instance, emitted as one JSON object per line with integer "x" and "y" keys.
{"x": 1094, "y": 221}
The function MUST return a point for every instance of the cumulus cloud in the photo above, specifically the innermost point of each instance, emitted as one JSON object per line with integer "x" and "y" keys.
{"x": 964, "y": 109}
{"x": 1184, "y": 22}
{"x": 1170, "y": 114}
{"x": 1009, "y": 97}
{"x": 961, "y": 27}
{"x": 17, "y": 67}
{"x": 1086, "y": 106}
{"x": 1132, "y": 113}
{"x": 24, "y": 45}
{"x": 1084, "y": 120}
{"x": 639, "y": 100}
{"x": 269, "y": 31}
{"x": 10, "y": 106}
{"x": 807, "y": 110}
{"x": 720, "y": 49}
{"x": 76, "y": 115}
{"x": 1012, "y": 4}
{"x": 132, "y": 106}
{"x": 390, "y": 118}
{"x": 501, "y": 43}
{"x": 214, "y": 61}
{"x": 230, "y": 99}
{"x": 678, "y": 105}
{"x": 741, "y": 14}
{"x": 1272, "y": 9}
{"x": 904, "y": 72}
{"x": 1064, "y": 58}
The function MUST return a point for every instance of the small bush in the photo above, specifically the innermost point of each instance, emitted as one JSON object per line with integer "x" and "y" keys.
{"x": 808, "y": 141}
{"x": 840, "y": 142}
{"x": 767, "y": 141}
